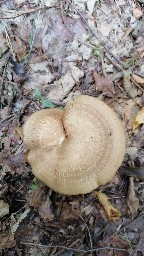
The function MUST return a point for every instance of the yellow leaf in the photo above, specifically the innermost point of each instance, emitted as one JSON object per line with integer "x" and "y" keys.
{"x": 139, "y": 119}
{"x": 113, "y": 213}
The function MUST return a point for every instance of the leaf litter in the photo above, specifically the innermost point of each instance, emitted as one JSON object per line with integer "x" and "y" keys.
{"x": 51, "y": 51}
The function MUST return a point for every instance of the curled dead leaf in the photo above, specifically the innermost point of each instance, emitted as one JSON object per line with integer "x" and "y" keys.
{"x": 45, "y": 210}
{"x": 103, "y": 84}
{"x": 139, "y": 119}
{"x": 113, "y": 213}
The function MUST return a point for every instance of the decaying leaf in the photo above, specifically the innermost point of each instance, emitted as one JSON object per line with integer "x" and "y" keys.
{"x": 36, "y": 197}
{"x": 113, "y": 241}
{"x": 15, "y": 222}
{"x": 19, "y": 48}
{"x": 129, "y": 88}
{"x": 138, "y": 79}
{"x": 103, "y": 84}
{"x": 139, "y": 119}
{"x": 69, "y": 210}
{"x": 132, "y": 200}
{"x": 7, "y": 241}
{"x": 64, "y": 85}
{"x": 4, "y": 208}
{"x": 113, "y": 213}
{"x": 45, "y": 210}
{"x": 127, "y": 32}
{"x": 140, "y": 246}
{"x": 88, "y": 209}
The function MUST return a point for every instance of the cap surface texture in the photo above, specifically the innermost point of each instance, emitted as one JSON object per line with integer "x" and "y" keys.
{"x": 75, "y": 150}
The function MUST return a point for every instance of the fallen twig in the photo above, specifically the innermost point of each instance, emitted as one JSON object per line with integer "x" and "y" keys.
{"x": 74, "y": 249}
{"x": 91, "y": 243}
{"x": 26, "y": 12}
{"x": 137, "y": 84}
{"x": 8, "y": 117}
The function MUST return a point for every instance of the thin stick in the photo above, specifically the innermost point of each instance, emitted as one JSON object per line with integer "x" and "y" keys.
{"x": 91, "y": 244}
{"x": 9, "y": 117}
{"x": 137, "y": 84}
{"x": 74, "y": 249}
{"x": 26, "y": 12}
{"x": 8, "y": 40}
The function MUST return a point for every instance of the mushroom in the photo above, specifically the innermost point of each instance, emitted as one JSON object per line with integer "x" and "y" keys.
{"x": 76, "y": 150}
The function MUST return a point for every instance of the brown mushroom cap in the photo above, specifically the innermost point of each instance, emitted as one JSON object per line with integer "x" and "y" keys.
{"x": 76, "y": 150}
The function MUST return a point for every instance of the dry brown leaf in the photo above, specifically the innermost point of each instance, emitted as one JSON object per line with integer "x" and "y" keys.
{"x": 103, "y": 84}
{"x": 140, "y": 246}
{"x": 113, "y": 213}
{"x": 113, "y": 241}
{"x": 19, "y": 48}
{"x": 129, "y": 88}
{"x": 45, "y": 210}
{"x": 7, "y": 241}
{"x": 139, "y": 119}
{"x": 88, "y": 209}
{"x": 127, "y": 32}
{"x": 132, "y": 200}
{"x": 36, "y": 198}
{"x": 138, "y": 79}
{"x": 68, "y": 211}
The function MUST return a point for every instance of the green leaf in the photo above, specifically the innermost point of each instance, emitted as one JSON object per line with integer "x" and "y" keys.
{"x": 34, "y": 186}
{"x": 96, "y": 51}
{"x": 37, "y": 94}
{"x": 47, "y": 103}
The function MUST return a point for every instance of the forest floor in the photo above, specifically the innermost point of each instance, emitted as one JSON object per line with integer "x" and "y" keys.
{"x": 50, "y": 51}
